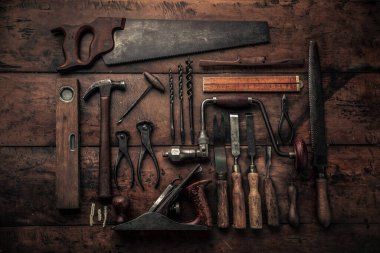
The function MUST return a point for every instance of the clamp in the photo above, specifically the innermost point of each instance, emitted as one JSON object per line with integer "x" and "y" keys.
{"x": 122, "y": 137}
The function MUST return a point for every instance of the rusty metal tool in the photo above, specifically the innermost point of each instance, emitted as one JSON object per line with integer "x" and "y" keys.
{"x": 190, "y": 94}
{"x": 286, "y": 139}
{"x": 256, "y": 61}
{"x": 254, "y": 198}
{"x": 270, "y": 192}
{"x": 318, "y": 134}
{"x": 221, "y": 172}
{"x": 155, "y": 39}
{"x": 67, "y": 182}
{"x": 154, "y": 83}
{"x": 105, "y": 87}
{"x": 157, "y": 216}
{"x": 123, "y": 137}
{"x": 180, "y": 94}
{"x": 146, "y": 128}
{"x": 238, "y": 202}
{"x": 171, "y": 97}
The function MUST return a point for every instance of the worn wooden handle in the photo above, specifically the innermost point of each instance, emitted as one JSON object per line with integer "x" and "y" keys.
{"x": 301, "y": 156}
{"x": 102, "y": 42}
{"x": 232, "y": 102}
{"x": 223, "y": 217}
{"x": 202, "y": 209}
{"x": 323, "y": 209}
{"x": 271, "y": 203}
{"x": 293, "y": 214}
{"x": 238, "y": 203}
{"x": 254, "y": 202}
{"x": 104, "y": 155}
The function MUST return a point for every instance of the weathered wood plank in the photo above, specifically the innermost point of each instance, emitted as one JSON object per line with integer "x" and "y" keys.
{"x": 28, "y": 182}
{"x": 308, "y": 238}
{"x": 347, "y": 31}
{"x": 28, "y": 109}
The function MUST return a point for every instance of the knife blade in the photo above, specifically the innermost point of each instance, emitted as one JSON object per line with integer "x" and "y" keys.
{"x": 318, "y": 133}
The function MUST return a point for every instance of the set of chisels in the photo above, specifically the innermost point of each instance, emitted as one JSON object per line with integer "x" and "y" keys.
{"x": 122, "y": 41}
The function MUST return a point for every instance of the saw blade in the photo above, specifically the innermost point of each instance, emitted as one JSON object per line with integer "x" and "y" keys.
{"x": 317, "y": 120}
{"x": 154, "y": 39}
{"x": 235, "y": 139}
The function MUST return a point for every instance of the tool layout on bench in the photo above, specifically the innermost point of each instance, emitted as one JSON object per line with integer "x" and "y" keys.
{"x": 155, "y": 39}
{"x": 146, "y": 128}
{"x": 157, "y": 216}
{"x": 254, "y": 198}
{"x": 171, "y": 97}
{"x": 238, "y": 201}
{"x": 190, "y": 94}
{"x": 286, "y": 139}
{"x": 221, "y": 172}
{"x": 257, "y": 62}
{"x": 318, "y": 133}
{"x": 154, "y": 83}
{"x": 105, "y": 87}
{"x": 180, "y": 94}
{"x": 122, "y": 137}
{"x": 270, "y": 192}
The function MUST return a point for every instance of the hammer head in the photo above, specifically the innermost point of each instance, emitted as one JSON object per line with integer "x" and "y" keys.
{"x": 105, "y": 87}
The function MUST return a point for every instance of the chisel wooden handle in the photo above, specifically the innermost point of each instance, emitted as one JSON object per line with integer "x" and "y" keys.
{"x": 238, "y": 203}
{"x": 223, "y": 217}
{"x": 254, "y": 202}
{"x": 293, "y": 214}
{"x": 323, "y": 209}
{"x": 271, "y": 203}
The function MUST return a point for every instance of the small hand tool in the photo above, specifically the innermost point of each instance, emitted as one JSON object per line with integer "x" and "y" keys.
{"x": 155, "y": 39}
{"x": 180, "y": 93}
{"x": 238, "y": 202}
{"x": 285, "y": 139}
{"x": 189, "y": 83}
{"x": 105, "y": 87}
{"x": 270, "y": 193}
{"x": 154, "y": 83}
{"x": 257, "y": 62}
{"x": 120, "y": 205}
{"x": 67, "y": 181}
{"x": 146, "y": 128}
{"x": 254, "y": 198}
{"x": 156, "y": 218}
{"x": 122, "y": 137}
{"x": 221, "y": 172}
{"x": 171, "y": 96}
{"x": 252, "y": 84}
{"x": 318, "y": 134}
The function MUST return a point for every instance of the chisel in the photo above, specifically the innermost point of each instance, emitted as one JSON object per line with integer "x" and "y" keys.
{"x": 238, "y": 203}
{"x": 254, "y": 199}
{"x": 270, "y": 192}
{"x": 318, "y": 136}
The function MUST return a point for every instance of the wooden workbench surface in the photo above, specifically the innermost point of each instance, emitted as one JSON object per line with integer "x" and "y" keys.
{"x": 348, "y": 36}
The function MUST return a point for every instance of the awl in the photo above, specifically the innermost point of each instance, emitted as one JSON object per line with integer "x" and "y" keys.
{"x": 139, "y": 40}
{"x": 318, "y": 134}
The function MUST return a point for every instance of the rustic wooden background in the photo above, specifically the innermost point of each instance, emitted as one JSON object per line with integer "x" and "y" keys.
{"x": 348, "y": 33}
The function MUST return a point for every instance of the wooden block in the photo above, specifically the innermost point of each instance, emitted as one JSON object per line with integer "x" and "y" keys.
{"x": 67, "y": 144}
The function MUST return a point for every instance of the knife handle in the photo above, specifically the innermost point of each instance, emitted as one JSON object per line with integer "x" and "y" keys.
{"x": 254, "y": 202}
{"x": 271, "y": 203}
{"x": 293, "y": 217}
{"x": 102, "y": 42}
{"x": 323, "y": 209}
{"x": 238, "y": 203}
{"x": 223, "y": 218}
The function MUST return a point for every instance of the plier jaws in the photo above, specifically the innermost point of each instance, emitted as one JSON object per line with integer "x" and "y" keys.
{"x": 122, "y": 137}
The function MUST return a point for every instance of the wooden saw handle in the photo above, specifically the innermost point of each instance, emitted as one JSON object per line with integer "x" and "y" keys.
{"x": 238, "y": 203}
{"x": 254, "y": 202}
{"x": 323, "y": 209}
{"x": 223, "y": 217}
{"x": 102, "y": 42}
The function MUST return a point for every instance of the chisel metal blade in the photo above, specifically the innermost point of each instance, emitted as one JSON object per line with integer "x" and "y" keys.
{"x": 219, "y": 150}
{"x": 235, "y": 139}
{"x": 251, "y": 136}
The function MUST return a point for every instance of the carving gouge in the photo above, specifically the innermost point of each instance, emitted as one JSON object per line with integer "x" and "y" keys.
{"x": 270, "y": 192}
{"x": 318, "y": 135}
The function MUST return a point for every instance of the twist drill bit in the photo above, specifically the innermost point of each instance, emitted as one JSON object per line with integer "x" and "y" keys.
{"x": 171, "y": 93}
{"x": 180, "y": 84}
{"x": 189, "y": 84}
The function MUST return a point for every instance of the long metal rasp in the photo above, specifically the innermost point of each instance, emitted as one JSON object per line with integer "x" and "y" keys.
{"x": 318, "y": 133}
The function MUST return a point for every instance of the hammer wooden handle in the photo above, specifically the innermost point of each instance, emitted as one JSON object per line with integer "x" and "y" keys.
{"x": 254, "y": 202}
{"x": 323, "y": 209}
{"x": 293, "y": 214}
{"x": 104, "y": 190}
{"x": 238, "y": 203}
{"x": 223, "y": 217}
{"x": 271, "y": 203}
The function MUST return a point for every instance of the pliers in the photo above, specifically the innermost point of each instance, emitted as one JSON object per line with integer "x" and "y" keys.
{"x": 146, "y": 128}
{"x": 288, "y": 139}
{"x": 122, "y": 137}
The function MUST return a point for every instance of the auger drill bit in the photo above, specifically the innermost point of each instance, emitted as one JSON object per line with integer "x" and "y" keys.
{"x": 180, "y": 85}
{"x": 189, "y": 84}
{"x": 171, "y": 93}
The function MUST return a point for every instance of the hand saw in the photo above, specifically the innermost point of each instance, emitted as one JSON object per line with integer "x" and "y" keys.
{"x": 139, "y": 40}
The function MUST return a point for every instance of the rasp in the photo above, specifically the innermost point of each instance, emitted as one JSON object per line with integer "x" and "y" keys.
{"x": 238, "y": 202}
{"x": 221, "y": 172}
{"x": 139, "y": 40}
{"x": 318, "y": 135}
